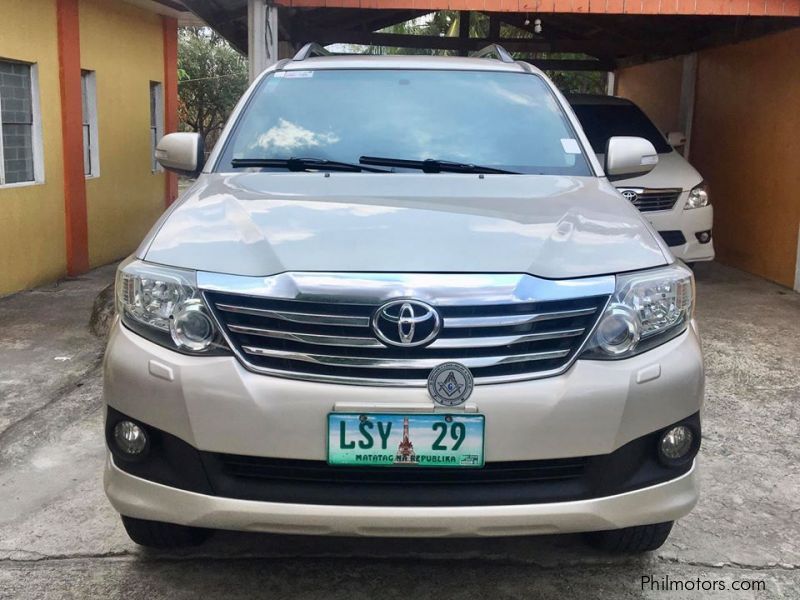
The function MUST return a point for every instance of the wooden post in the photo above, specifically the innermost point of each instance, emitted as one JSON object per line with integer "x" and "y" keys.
{"x": 170, "y": 30}
{"x": 686, "y": 111}
{"x": 463, "y": 31}
{"x": 494, "y": 28}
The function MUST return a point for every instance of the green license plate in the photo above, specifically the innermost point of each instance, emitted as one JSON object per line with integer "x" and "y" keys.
{"x": 420, "y": 440}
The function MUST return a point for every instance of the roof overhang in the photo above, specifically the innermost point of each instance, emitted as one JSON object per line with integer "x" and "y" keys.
{"x": 613, "y": 38}
{"x": 170, "y": 8}
{"x": 778, "y": 8}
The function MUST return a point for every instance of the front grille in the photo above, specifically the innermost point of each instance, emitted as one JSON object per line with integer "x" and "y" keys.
{"x": 284, "y": 470}
{"x": 673, "y": 237}
{"x": 326, "y": 340}
{"x": 649, "y": 200}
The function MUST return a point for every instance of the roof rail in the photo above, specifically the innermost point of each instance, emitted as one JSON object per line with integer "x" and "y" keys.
{"x": 494, "y": 50}
{"x": 309, "y": 50}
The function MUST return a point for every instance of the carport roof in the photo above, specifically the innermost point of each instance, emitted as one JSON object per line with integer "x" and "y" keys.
{"x": 613, "y": 31}
{"x": 652, "y": 7}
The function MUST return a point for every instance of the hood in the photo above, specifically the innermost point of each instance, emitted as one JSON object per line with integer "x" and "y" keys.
{"x": 672, "y": 171}
{"x": 260, "y": 224}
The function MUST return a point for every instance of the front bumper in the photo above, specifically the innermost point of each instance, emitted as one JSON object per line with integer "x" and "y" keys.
{"x": 216, "y": 406}
{"x": 143, "y": 499}
{"x": 689, "y": 223}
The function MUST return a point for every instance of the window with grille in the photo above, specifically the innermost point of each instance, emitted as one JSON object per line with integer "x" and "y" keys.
{"x": 20, "y": 124}
{"x": 91, "y": 150}
{"x": 156, "y": 122}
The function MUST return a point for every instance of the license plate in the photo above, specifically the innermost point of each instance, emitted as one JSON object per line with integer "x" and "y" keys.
{"x": 390, "y": 440}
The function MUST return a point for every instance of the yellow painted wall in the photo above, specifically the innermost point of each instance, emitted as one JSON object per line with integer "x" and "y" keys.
{"x": 32, "y": 216}
{"x": 656, "y": 88}
{"x": 746, "y": 143}
{"x": 124, "y": 46}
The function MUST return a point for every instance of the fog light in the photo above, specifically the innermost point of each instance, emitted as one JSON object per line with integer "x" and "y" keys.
{"x": 676, "y": 443}
{"x": 191, "y": 328}
{"x": 703, "y": 236}
{"x": 130, "y": 438}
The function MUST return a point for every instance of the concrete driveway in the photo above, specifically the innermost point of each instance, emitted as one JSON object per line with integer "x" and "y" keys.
{"x": 59, "y": 538}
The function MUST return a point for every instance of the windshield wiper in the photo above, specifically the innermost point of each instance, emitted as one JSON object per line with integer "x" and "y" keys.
{"x": 303, "y": 164}
{"x": 431, "y": 165}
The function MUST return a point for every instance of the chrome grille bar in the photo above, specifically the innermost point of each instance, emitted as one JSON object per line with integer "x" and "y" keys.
{"x": 297, "y": 317}
{"x": 309, "y": 338}
{"x": 510, "y": 320}
{"x": 371, "y": 342}
{"x": 504, "y": 340}
{"x": 401, "y": 363}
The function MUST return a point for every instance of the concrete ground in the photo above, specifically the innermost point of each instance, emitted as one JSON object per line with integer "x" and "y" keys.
{"x": 59, "y": 538}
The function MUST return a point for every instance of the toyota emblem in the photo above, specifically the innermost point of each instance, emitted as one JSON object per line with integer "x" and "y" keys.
{"x": 406, "y": 323}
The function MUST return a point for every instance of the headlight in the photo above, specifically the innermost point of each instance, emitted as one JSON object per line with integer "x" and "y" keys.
{"x": 647, "y": 309}
{"x": 698, "y": 197}
{"x": 164, "y": 305}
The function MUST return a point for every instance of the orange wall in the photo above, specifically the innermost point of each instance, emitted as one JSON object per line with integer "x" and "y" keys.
{"x": 656, "y": 87}
{"x": 746, "y": 143}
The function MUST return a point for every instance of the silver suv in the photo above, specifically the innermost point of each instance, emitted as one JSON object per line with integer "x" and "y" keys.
{"x": 403, "y": 299}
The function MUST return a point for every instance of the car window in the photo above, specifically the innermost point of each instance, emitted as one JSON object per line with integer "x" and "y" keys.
{"x": 602, "y": 121}
{"x": 508, "y": 121}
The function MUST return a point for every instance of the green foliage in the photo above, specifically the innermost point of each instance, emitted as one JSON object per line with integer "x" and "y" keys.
{"x": 211, "y": 78}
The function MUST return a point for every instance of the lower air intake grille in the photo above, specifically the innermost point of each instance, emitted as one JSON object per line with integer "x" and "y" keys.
{"x": 272, "y": 469}
{"x": 673, "y": 238}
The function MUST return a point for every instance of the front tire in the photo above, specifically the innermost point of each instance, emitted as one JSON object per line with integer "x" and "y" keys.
{"x": 630, "y": 540}
{"x": 156, "y": 534}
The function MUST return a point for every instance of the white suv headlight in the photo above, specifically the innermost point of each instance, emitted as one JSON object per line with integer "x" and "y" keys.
{"x": 648, "y": 308}
{"x": 164, "y": 305}
{"x": 698, "y": 197}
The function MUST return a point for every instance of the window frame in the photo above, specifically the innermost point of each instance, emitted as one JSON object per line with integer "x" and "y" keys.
{"x": 89, "y": 97}
{"x": 157, "y": 129}
{"x": 37, "y": 148}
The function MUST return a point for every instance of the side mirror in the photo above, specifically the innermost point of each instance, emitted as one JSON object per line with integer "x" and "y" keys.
{"x": 676, "y": 139}
{"x": 629, "y": 156}
{"x": 182, "y": 153}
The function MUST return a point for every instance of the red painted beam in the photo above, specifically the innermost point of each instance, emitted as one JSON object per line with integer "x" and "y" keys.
{"x": 789, "y": 8}
{"x": 69, "y": 63}
{"x": 170, "y": 29}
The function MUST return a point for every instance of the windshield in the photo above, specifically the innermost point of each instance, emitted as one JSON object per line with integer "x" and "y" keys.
{"x": 507, "y": 121}
{"x": 602, "y": 121}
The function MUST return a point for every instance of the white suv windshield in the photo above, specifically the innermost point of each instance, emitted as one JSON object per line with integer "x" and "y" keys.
{"x": 499, "y": 120}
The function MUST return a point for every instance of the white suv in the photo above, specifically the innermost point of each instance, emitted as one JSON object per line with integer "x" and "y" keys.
{"x": 403, "y": 299}
{"x": 673, "y": 196}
